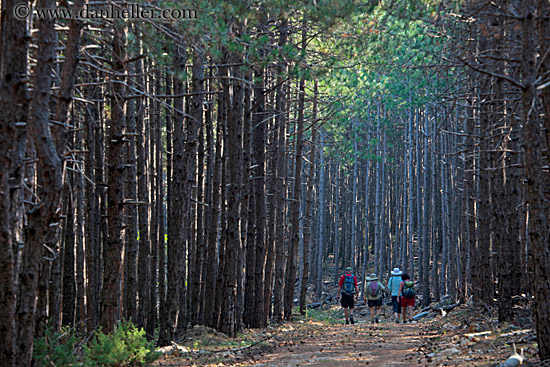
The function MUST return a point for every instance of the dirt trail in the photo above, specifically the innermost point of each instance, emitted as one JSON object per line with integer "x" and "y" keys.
{"x": 466, "y": 337}
{"x": 384, "y": 344}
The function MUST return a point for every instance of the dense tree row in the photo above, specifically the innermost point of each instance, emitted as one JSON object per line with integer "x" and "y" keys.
{"x": 218, "y": 171}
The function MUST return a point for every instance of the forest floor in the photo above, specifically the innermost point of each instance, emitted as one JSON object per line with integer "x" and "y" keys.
{"x": 463, "y": 337}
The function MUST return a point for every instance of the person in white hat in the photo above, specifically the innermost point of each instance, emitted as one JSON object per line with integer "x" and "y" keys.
{"x": 393, "y": 286}
{"x": 374, "y": 296}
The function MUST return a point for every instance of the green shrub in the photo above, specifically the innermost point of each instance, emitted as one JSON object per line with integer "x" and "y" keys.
{"x": 125, "y": 346}
{"x": 55, "y": 349}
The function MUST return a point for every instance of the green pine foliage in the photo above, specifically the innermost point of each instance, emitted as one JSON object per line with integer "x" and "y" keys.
{"x": 389, "y": 55}
{"x": 126, "y": 346}
{"x": 55, "y": 349}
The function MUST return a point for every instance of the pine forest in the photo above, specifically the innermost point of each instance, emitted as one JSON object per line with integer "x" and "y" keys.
{"x": 169, "y": 166}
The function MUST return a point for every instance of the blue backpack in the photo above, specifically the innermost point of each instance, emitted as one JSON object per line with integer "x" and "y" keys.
{"x": 349, "y": 285}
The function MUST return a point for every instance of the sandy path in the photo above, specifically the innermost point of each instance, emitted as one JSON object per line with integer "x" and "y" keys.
{"x": 384, "y": 344}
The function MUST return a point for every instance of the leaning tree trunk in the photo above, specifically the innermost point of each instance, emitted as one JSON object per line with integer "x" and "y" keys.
{"x": 42, "y": 219}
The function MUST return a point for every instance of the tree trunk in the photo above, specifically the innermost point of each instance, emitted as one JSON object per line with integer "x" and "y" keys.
{"x": 212, "y": 295}
{"x": 229, "y": 323}
{"x": 279, "y": 156}
{"x": 535, "y": 181}
{"x": 211, "y": 215}
{"x": 290, "y": 279}
{"x": 336, "y": 229}
{"x": 130, "y": 213}
{"x": 353, "y": 260}
{"x": 176, "y": 237}
{"x": 321, "y": 239}
{"x": 378, "y": 197}
{"x": 259, "y": 201}
{"x": 112, "y": 254}
{"x": 366, "y": 249}
{"x": 93, "y": 214}
{"x": 67, "y": 259}
{"x": 308, "y": 220}
{"x": 194, "y": 129}
{"x": 80, "y": 283}
{"x": 158, "y": 275}
{"x": 15, "y": 102}
{"x": 144, "y": 252}
{"x": 410, "y": 237}
{"x": 425, "y": 275}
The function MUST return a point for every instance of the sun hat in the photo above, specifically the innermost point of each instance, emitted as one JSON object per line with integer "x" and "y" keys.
{"x": 348, "y": 268}
{"x": 396, "y": 271}
{"x": 372, "y": 277}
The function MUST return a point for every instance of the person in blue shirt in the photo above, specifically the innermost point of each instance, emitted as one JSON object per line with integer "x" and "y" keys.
{"x": 393, "y": 287}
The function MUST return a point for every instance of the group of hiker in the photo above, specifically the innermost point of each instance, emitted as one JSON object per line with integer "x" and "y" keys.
{"x": 399, "y": 285}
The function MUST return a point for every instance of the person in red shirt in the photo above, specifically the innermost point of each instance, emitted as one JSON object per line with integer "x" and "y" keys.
{"x": 347, "y": 287}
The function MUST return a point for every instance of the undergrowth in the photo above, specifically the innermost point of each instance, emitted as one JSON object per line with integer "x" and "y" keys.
{"x": 126, "y": 346}
{"x": 332, "y": 315}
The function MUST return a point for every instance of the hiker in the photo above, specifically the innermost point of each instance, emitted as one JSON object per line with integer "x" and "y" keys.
{"x": 407, "y": 294}
{"x": 393, "y": 286}
{"x": 374, "y": 296}
{"x": 347, "y": 287}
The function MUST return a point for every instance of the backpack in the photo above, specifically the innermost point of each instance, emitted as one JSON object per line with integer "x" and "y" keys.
{"x": 374, "y": 288}
{"x": 349, "y": 285}
{"x": 408, "y": 289}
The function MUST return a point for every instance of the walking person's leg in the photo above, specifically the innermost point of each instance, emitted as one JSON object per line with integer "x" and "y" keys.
{"x": 399, "y": 308}
{"x": 411, "y": 312}
{"x": 372, "y": 313}
{"x": 377, "y": 308}
{"x": 396, "y": 308}
{"x": 347, "y": 304}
